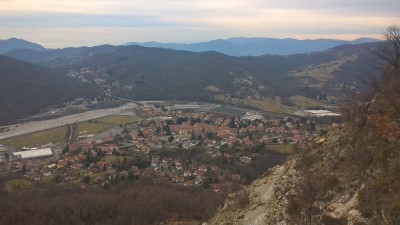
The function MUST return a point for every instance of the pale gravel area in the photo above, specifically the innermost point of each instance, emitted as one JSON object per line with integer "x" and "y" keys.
{"x": 34, "y": 126}
{"x": 261, "y": 197}
{"x": 261, "y": 202}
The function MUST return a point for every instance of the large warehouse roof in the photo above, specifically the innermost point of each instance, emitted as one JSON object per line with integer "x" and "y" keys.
{"x": 320, "y": 113}
{"x": 35, "y": 153}
{"x": 227, "y": 111}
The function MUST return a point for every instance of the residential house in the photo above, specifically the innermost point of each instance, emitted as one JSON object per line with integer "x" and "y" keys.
{"x": 216, "y": 187}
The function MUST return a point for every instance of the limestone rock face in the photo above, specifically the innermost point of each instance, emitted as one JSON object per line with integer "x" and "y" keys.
{"x": 266, "y": 201}
{"x": 271, "y": 199}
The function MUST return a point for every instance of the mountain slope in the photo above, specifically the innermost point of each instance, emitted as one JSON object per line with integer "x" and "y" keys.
{"x": 349, "y": 176}
{"x": 154, "y": 73}
{"x": 26, "y": 89}
{"x": 150, "y": 73}
{"x": 14, "y": 43}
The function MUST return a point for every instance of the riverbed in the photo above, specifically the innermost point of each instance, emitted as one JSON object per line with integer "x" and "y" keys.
{"x": 34, "y": 126}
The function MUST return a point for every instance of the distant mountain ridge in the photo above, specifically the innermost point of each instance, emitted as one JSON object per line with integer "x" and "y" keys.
{"x": 243, "y": 46}
{"x": 58, "y": 57}
{"x": 15, "y": 43}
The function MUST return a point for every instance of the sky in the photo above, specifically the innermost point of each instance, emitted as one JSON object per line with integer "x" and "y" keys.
{"x": 72, "y": 23}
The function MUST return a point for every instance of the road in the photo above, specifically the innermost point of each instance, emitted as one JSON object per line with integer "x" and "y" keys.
{"x": 34, "y": 126}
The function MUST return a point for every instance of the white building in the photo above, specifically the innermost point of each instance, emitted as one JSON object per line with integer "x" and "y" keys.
{"x": 34, "y": 153}
{"x": 321, "y": 113}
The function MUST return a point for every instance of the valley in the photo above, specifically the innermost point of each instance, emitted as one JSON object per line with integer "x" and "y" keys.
{"x": 215, "y": 147}
{"x": 107, "y": 122}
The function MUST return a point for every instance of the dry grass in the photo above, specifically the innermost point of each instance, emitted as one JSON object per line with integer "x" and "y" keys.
{"x": 55, "y": 136}
{"x": 212, "y": 88}
{"x": 282, "y": 148}
{"x": 17, "y": 185}
{"x": 118, "y": 119}
{"x": 304, "y": 102}
{"x": 322, "y": 72}
{"x": 273, "y": 104}
{"x": 99, "y": 125}
{"x": 269, "y": 105}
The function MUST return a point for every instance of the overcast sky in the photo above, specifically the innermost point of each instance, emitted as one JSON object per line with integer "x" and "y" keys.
{"x": 61, "y": 23}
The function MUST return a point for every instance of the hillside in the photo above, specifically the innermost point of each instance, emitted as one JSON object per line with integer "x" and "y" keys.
{"x": 141, "y": 202}
{"x": 153, "y": 73}
{"x": 142, "y": 73}
{"x": 26, "y": 89}
{"x": 332, "y": 183}
{"x": 349, "y": 176}
{"x": 14, "y": 43}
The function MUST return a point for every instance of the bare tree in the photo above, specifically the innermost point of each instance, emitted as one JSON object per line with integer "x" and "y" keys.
{"x": 390, "y": 50}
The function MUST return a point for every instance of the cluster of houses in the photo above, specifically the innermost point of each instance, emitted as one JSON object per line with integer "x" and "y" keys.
{"x": 176, "y": 127}
{"x": 215, "y": 130}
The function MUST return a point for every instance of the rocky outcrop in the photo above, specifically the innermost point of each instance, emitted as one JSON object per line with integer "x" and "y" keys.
{"x": 280, "y": 197}
{"x": 266, "y": 200}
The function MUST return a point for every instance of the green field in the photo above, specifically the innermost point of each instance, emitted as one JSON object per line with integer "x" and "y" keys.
{"x": 304, "y": 102}
{"x": 269, "y": 105}
{"x": 274, "y": 104}
{"x": 99, "y": 125}
{"x": 118, "y": 119}
{"x": 18, "y": 185}
{"x": 55, "y": 136}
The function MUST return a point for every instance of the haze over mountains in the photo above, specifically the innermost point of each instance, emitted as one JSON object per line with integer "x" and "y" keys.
{"x": 240, "y": 46}
{"x": 143, "y": 73}
{"x": 14, "y": 43}
{"x": 257, "y": 46}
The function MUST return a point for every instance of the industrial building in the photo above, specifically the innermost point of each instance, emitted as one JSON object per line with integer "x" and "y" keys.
{"x": 227, "y": 111}
{"x": 321, "y": 113}
{"x": 34, "y": 153}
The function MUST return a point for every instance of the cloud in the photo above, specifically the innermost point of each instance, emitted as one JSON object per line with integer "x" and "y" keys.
{"x": 198, "y": 19}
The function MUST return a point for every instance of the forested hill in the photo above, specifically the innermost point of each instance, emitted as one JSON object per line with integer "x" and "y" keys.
{"x": 142, "y": 73}
{"x": 27, "y": 88}
{"x": 154, "y": 73}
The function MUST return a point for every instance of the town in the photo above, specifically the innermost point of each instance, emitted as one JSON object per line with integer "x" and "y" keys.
{"x": 202, "y": 145}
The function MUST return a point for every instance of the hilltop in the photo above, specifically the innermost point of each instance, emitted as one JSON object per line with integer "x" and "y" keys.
{"x": 15, "y": 43}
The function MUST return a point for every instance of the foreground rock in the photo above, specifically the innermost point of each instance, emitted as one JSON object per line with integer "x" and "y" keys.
{"x": 318, "y": 186}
